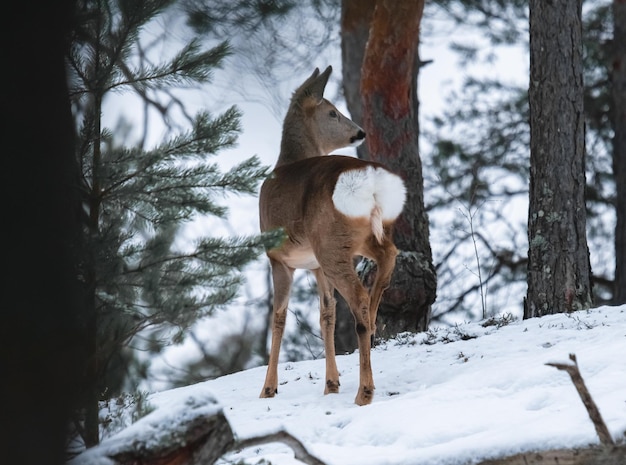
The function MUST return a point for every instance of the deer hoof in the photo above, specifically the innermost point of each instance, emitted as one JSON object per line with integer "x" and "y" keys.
{"x": 268, "y": 392}
{"x": 332, "y": 387}
{"x": 364, "y": 396}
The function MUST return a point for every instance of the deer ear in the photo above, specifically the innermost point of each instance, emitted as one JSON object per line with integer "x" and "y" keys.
{"x": 303, "y": 90}
{"x": 316, "y": 88}
{"x": 313, "y": 86}
{"x": 306, "y": 84}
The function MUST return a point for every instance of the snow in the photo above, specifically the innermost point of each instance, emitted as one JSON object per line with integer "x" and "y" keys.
{"x": 448, "y": 396}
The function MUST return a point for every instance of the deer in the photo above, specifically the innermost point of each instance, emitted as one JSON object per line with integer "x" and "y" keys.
{"x": 331, "y": 209}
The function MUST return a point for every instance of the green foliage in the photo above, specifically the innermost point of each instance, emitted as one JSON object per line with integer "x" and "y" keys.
{"x": 137, "y": 199}
{"x": 221, "y": 18}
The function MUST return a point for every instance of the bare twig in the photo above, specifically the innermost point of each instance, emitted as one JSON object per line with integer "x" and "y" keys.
{"x": 298, "y": 448}
{"x": 585, "y": 396}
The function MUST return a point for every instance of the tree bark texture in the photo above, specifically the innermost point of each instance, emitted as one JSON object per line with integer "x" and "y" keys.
{"x": 356, "y": 17}
{"x": 559, "y": 275}
{"x": 388, "y": 87}
{"x": 618, "y": 79}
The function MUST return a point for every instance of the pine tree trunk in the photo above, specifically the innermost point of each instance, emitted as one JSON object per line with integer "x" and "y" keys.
{"x": 388, "y": 87}
{"x": 559, "y": 275}
{"x": 356, "y": 16}
{"x": 619, "y": 146}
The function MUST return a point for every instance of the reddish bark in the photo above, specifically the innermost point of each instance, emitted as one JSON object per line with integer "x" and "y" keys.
{"x": 390, "y": 60}
{"x": 356, "y": 16}
{"x": 388, "y": 87}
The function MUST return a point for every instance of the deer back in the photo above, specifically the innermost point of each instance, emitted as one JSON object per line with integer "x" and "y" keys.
{"x": 317, "y": 196}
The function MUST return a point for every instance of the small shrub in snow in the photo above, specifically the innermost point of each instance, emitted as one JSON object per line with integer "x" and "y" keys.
{"x": 122, "y": 411}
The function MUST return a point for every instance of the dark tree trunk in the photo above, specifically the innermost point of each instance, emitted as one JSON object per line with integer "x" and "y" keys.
{"x": 559, "y": 275}
{"x": 42, "y": 349}
{"x": 388, "y": 87}
{"x": 619, "y": 146}
{"x": 356, "y": 17}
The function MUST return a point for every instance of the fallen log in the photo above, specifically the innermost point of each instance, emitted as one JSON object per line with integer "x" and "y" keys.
{"x": 595, "y": 455}
{"x": 191, "y": 431}
{"x": 195, "y": 432}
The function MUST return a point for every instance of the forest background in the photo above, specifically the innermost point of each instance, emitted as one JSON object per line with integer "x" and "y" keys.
{"x": 474, "y": 145}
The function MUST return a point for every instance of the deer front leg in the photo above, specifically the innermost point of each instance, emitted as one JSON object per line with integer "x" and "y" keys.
{"x": 282, "y": 277}
{"x": 327, "y": 325}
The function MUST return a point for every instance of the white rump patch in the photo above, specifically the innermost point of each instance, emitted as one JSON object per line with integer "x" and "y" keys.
{"x": 390, "y": 193}
{"x": 359, "y": 191}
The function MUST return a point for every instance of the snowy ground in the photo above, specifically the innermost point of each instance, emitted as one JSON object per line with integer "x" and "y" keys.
{"x": 449, "y": 396}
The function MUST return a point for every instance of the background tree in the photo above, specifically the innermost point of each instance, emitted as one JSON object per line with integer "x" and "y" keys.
{"x": 476, "y": 181}
{"x": 480, "y": 159}
{"x": 559, "y": 275}
{"x": 475, "y": 157}
{"x": 388, "y": 91}
{"x": 144, "y": 290}
{"x": 42, "y": 336}
{"x": 356, "y": 19}
{"x": 618, "y": 87}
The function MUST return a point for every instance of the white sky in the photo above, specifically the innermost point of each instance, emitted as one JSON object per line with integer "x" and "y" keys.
{"x": 438, "y": 404}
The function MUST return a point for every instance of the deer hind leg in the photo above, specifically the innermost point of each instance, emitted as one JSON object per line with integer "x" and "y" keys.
{"x": 343, "y": 277}
{"x": 385, "y": 257}
{"x": 327, "y": 325}
{"x": 282, "y": 276}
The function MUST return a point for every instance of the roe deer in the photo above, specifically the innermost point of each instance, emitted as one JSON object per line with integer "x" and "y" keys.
{"x": 332, "y": 208}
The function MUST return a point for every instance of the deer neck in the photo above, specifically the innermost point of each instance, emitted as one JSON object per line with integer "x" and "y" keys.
{"x": 292, "y": 150}
{"x": 298, "y": 142}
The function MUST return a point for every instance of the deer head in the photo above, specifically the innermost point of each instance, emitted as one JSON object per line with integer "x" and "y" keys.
{"x": 332, "y": 208}
{"x": 313, "y": 126}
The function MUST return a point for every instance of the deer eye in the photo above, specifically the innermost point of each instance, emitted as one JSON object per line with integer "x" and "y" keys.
{"x": 333, "y": 114}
